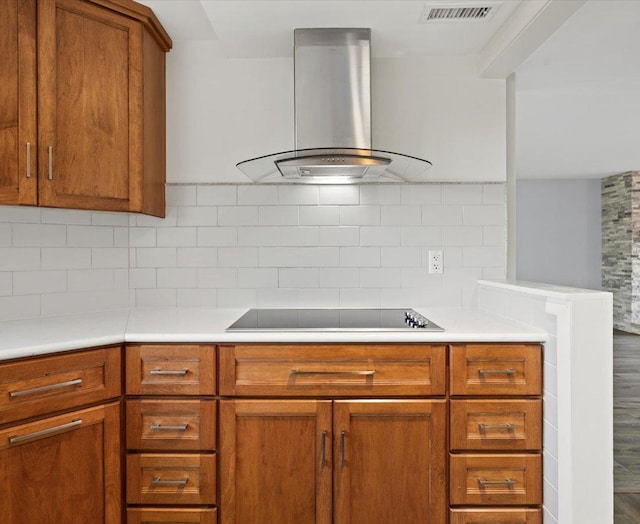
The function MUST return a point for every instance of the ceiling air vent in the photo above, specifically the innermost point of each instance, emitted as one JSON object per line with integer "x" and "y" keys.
{"x": 457, "y": 12}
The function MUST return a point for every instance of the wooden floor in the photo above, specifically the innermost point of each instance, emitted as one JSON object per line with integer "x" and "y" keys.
{"x": 626, "y": 427}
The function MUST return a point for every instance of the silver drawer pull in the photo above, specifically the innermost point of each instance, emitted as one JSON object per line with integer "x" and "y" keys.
{"x": 160, "y": 427}
{"x": 157, "y": 481}
{"x": 45, "y": 432}
{"x": 323, "y": 455}
{"x": 42, "y": 389}
{"x": 509, "y": 372}
{"x": 50, "y": 155}
{"x": 169, "y": 371}
{"x": 343, "y": 449}
{"x": 506, "y": 482}
{"x": 28, "y": 159}
{"x": 506, "y": 427}
{"x": 365, "y": 373}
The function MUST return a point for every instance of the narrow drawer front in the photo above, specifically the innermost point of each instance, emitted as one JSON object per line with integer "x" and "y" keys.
{"x": 187, "y": 425}
{"x": 506, "y": 369}
{"x": 171, "y": 479}
{"x": 496, "y": 425}
{"x": 495, "y": 516}
{"x": 326, "y": 370}
{"x": 47, "y": 384}
{"x": 172, "y": 515}
{"x": 496, "y": 480}
{"x": 170, "y": 369}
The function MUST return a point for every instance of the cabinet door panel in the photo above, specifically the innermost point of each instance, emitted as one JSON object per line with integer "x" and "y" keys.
{"x": 18, "y": 177}
{"x": 275, "y": 458}
{"x": 390, "y": 461}
{"x": 90, "y": 91}
{"x": 62, "y": 469}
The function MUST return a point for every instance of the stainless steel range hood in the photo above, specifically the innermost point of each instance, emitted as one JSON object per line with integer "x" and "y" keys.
{"x": 332, "y": 73}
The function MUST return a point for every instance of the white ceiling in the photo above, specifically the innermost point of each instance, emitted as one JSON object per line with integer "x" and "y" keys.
{"x": 578, "y": 103}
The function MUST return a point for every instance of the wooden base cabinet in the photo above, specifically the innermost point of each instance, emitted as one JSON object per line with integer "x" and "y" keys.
{"x": 323, "y": 461}
{"x": 63, "y": 469}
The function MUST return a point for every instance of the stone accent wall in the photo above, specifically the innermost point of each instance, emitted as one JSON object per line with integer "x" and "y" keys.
{"x": 621, "y": 247}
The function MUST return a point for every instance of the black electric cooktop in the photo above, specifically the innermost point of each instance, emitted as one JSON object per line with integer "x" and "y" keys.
{"x": 333, "y": 320}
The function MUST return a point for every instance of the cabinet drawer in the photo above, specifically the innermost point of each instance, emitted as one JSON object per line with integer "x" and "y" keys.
{"x": 486, "y": 369}
{"x": 187, "y": 425}
{"x": 171, "y": 479}
{"x": 170, "y": 369}
{"x": 496, "y": 480}
{"x": 47, "y": 384}
{"x": 332, "y": 370}
{"x": 496, "y": 425}
{"x": 172, "y": 515}
{"x": 495, "y": 516}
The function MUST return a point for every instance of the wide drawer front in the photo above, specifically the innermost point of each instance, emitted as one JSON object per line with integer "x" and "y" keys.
{"x": 172, "y": 515}
{"x": 495, "y": 516}
{"x": 171, "y": 479}
{"x": 176, "y": 369}
{"x": 186, "y": 425}
{"x": 48, "y": 384}
{"x": 332, "y": 370}
{"x": 496, "y": 480}
{"x": 490, "y": 369}
{"x": 496, "y": 425}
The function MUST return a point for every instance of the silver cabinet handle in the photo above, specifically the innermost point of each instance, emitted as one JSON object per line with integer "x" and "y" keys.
{"x": 506, "y": 427}
{"x": 28, "y": 159}
{"x": 42, "y": 389}
{"x": 343, "y": 446}
{"x": 44, "y": 432}
{"x": 160, "y": 427}
{"x": 50, "y": 151}
{"x": 169, "y": 371}
{"x": 157, "y": 481}
{"x": 366, "y": 373}
{"x": 323, "y": 454}
{"x": 505, "y": 482}
{"x": 509, "y": 372}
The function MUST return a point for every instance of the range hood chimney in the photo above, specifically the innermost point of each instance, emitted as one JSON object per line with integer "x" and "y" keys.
{"x": 332, "y": 73}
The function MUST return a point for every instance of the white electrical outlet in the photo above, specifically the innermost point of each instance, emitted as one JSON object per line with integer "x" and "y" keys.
{"x": 435, "y": 261}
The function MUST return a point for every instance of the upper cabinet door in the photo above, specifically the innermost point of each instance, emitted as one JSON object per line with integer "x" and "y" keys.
{"x": 18, "y": 176}
{"x": 90, "y": 107}
{"x": 390, "y": 458}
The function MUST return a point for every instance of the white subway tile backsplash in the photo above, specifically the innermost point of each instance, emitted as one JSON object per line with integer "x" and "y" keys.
{"x": 278, "y": 236}
{"x": 298, "y": 195}
{"x": 257, "y": 195}
{"x": 462, "y": 194}
{"x": 278, "y": 297}
{"x": 360, "y": 216}
{"x": 176, "y": 277}
{"x": 319, "y": 215}
{"x": 486, "y": 215}
{"x": 121, "y": 237}
{"x": 360, "y": 256}
{"x": 339, "y": 236}
{"x": 420, "y": 235}
{"x": 90, "y": 279}
{"x": 156, "y": 298}
{"x": 493, "y": 194}
{"x": 237, "y": 298}
{"x": 39, "y": 282}
{"x": 400, "y": 297}
{"x": 378, "y": 277}
{"x": 381, "y": 194}
{"x": 442, "y": 215}
{"x": 339, "y": 195}
{"x": 380, "y": 236}
{"x": 401, "y": 256}
{"x": 237, "y": 216}
{"x": 89, "y": 236}
{"x": 278, "y": 215}
{"x": 484, "y": 256}
{"x": 319, "y": 257}
{"x": 40, "y": 235}
{"x": 197, "y": 257}
{"x": 334, "y": 277}
{"x": 309, "y": 297}
{"x": 65, "y": 258}
{"x": 170, "y": 219}
{"x": 19, "y": 214}
{"x": 63, "y": 216}
{"x": 421, "y": 194}
{"x": 142, "y": 278}
{"x": 462, "y": 236}
{"x": 257, "y": 277}
{"x": 5, "y": 235}
{"x": 6, "y": 285}
{"x": 110, "y": 219}
{"x": 297, "y": 277}
{"x": 197, "y": 216}
{"x": 83, "y": 301}
{"x": 197, "y": 298}
{"x": 217, "y": 236}
{"x": 176, "y": 237}
{"x": 218, "y": 277}
{"x": 216, "y": 196}
{"x": 16, "y": 307}
{"x": 238, "y": 256}
{"x": 110, "y": 257}
{"x": 157, "y": 257}
{"x": 494, "y": 235}
{"x": 401, "y": 215}
{"x": 359, "y": 297}
{"x": 143, "y": 236}
{"x": 182, "y": 195}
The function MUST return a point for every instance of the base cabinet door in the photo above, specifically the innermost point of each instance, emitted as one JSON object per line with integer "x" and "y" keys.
{"x": 275, "y": 461}
{"x": 390, "y": 461}
{"x": 62, "y": 469}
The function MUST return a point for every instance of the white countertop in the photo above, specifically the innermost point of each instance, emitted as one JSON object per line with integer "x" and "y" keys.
{"x": 24, "y": 338}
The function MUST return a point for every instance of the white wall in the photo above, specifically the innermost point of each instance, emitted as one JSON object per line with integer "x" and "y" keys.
{"x": 559, "y": 232}
{"x": 222, "y": 111}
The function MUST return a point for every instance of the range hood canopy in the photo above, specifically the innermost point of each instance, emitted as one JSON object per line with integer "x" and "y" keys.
{"x": 332, "y": 73}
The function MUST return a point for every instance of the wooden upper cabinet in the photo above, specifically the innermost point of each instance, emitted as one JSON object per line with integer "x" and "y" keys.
{"x": 18, "y": 147}
{"x": 99, "y": 105}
